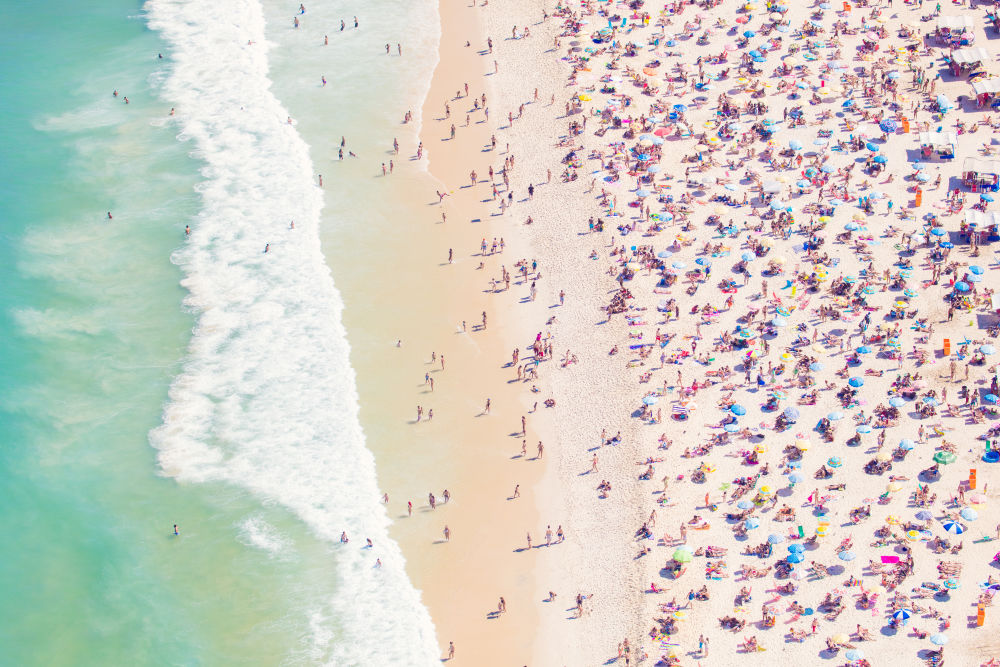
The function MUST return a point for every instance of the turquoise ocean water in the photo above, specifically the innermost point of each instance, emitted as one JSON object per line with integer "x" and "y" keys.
{"x": 152, "y": 379}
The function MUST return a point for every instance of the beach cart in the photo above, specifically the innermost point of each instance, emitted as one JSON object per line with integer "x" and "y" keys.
{"x": 954, "y": 30}
{"x": 981, "y": 175}
{"x": 940, "y": 145}
{"x": 967, "y": 61}
{"x": 986, "y": 92}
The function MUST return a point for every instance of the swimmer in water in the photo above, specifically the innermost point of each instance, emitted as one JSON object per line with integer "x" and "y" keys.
{"x": 267, "y": 246}
{"x": 343, "y": 538}
{"x": 176, "y": 531}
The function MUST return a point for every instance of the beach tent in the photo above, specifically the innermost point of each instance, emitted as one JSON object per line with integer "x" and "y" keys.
{"x": 985, "y": 90}
{"x": 938, "y": 144}
{"x": 981, "y": 175}
{"x": 982, "y": 218}
{"x": 953, "y": 23}
{"x": 968, "y": 59}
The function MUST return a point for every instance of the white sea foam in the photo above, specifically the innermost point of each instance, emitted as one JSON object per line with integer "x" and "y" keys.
{"x": 257, "y": 532}
{"x": 267, "y": 398}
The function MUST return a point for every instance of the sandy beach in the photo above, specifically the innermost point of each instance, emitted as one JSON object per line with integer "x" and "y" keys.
{"x": 729, "y": 313}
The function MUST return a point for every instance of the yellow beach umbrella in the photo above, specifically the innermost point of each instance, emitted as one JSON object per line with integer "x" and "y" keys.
{"x": 883, "y": 457}
{"x": 892, "y": 520}
{"x": 840, "y": 638}
{"x": 893, "y": 487}
{"x": 760, "y": 448}
{"x": 764, "y": 490}
{"x": 584, "y": 97}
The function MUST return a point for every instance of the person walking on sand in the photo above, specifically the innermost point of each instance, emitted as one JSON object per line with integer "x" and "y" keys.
{"x": 529, "y": 541}
{"x": 486, "y": 410}
{"x": 451, "y": 650}
{"x": 447, "y": 534}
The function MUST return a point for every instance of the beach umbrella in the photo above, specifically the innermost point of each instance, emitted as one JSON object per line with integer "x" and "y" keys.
{"x": 774, "y": 538}
{"x": 977, "y": 498}
{"x": 748, "y": 257}
{"x": 680, "y": 614}
{"x": 939, "y": 639}
{"x": 891, "y": 487}
{"x": 653, "y": 168}
{"x": 909, "y": 293}
{"x": 969, "y": 514}
{"x": 791, "y": 413}
{"x": 962, "y": 286}
{"x": 906, "y": 445}
{"x": 744, "y": 504}
{"x": 990, "y": 398}
{"x": 851, "y": 226}
{"x": 897, "y": 402}
{"x": 846, "y": 555}
{"x": 778, "y": 205}
{"x": 853, "y": 654}
{"x": 971, "y": 279}
{"x": 930, "y": 400}
{"x": 889, "y": 125}
{"x": 795, "y": 478}
{"x": 856, "y": 382}
{"x": 864, "y": 349}
{"x": 835, "y": 416}
{"x": 864, "y": 428}
{"x": 795, "y": 548}
{"x": 834, "y": 462}
{"x": 683, "y": 556}
{"x": 944, "y": 457}
{"x": 779, "y": 322}
{"x": 987, "y": 349}
{"x": 912, "y": 535}
{"x": 924, "y": 515}
{"x": 954, "y": 527}
{"x": 802, "y": 183}
{"x": 795, "y": 145}
{"x": 872, "y": 147}
{"x": 650, "y": 400}
{"x": 902, "y": 615}
{"x": 951, "y": 583}
{"x": 816, "y": 367}
{"x": 642, "y": 193}
{"x": 937, "y": 231}
{"x": 986, "y": 197}
{"x": 881, "y": 159}
{"x": 732, "y": 427}
{"x": 737, "y": 409}
{"x": 752, "y": 523}
{"x": 701, "y": 261}
{"x": 679, "y": 265}
{"x": 976, "y": 269}
{"x": 819, "y": 141}
{"x": 664, "y": 254}
{"x": 795, "y": 558}
{"x": 749, "y": 33}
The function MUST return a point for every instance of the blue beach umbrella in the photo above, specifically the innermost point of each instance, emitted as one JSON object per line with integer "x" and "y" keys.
{"x": 816, "y": 367}
{"x": 774, "y": 538}
{"x": 748, "y": 257}
{"x": 881, "y": 159}
{"x": 986, "y": 197}
{"x": 864, "y": 428}
{"x": 791, "y": 413}
{"x": 779, "y": 322}
{"x": 962, "y": 286}
{"x": 902, "y": 615}
{"x": 731, "y": 427}
{"x": 749, "y": 33}
{"x": 828, "y": 169}
{"x": 987, "y": 349}
{"x": 889, "y": 125}
{"x": 664, "y": 254}
{"x": 937, "y": 231}
{"x": 864, "y": 349}
{"x": 846, "y": 555}
{"x": 752, "y": 523}
{"x": 923, "y": 515}
{"x": 954, "y": 527}
{"x": 906, "y": 445}
{"x": 835, "y": 416}
{"x": 795, "y": 558}
{"x": 939, "y": 639}
{"x": 679, "y": 265}
{"x": 872, "y": 147}
{"x": 778, "y": 205}
{"x": 969, "y": 514}
{"x": 795, "y": 478}
{"x": 795, "y": 145}
{"x": 976, "y": 269}
{"x": 854, "y": 654}
{"x": 897, "y": 402}
{"x": 856, "y": 382}
{"x": 738, "y": 410}
{"x": 650, "y": 400}
{"x": 744, "y": 504}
